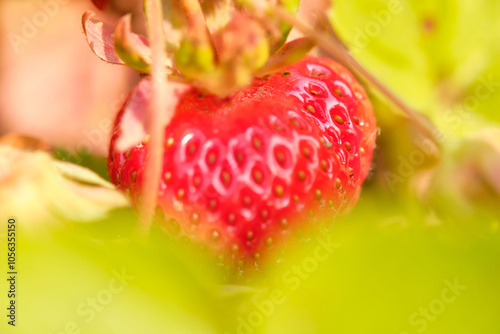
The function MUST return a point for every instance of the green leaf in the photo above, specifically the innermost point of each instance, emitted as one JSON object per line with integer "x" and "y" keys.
{"x": 117, "y": 285}
{"x": 378, "y": 271}
{"x": 434, "y": 54}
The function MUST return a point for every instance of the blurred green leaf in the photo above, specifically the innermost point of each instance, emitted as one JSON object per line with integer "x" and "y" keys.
{"x": 376, "y": 272}
{"x": 392, "y": 262}
{"x": 434, "y": 54}
{"x": 111, "y": 285}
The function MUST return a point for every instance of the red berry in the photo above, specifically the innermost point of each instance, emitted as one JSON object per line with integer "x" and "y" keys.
{"x": 101, "y": 4}
{"x": 241, "y": 175}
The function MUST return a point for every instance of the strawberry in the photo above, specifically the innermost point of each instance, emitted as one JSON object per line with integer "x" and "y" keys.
{"x": 101, "y": 4}
{"x": 242, "y": 174}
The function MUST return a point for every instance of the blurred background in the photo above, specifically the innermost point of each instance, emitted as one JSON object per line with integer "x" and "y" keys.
{"x": 51, "y": 85}
{"x": 420, "y": 253}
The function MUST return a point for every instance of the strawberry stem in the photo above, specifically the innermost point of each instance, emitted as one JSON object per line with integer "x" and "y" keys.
{"x": 336, "y": 49}
{"x": 197, "y": 23}
{"x": 157, "y": 117}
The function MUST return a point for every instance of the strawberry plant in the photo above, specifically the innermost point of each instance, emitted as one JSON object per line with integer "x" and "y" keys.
{"x": 258, "y": 146}
{"x": 275, "y": 167}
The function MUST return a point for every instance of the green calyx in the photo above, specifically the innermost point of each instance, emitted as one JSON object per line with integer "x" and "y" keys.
{"x": 193, "y": 59}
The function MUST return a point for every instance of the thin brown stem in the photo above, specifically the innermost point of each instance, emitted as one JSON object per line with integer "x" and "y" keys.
{"x": 157, "y": 117}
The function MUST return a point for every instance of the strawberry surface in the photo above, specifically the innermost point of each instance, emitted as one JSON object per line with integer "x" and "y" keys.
{"x": 245, "y": 174}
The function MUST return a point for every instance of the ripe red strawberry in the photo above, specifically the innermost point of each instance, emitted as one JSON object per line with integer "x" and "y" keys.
{"x": 101, "y": 4}
{"x": 241, "y": 175}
